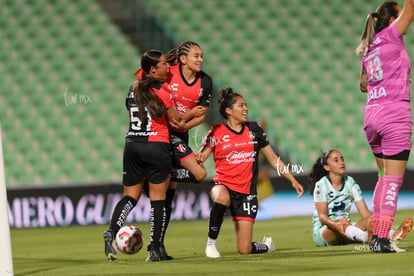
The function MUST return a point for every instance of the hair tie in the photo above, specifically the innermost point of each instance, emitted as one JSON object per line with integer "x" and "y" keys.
{"x": 324, "y": 156}
{"x": 375, "y": 14}
{"x": 139, "y": 73}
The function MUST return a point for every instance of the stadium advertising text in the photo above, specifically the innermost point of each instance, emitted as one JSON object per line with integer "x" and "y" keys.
{"x": 55, "y": 208}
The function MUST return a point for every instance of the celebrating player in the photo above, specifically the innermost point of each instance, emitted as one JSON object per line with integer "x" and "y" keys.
{"x": 191, "y": 89}
{"x": 385, "y": 77}
{"x": 147, "y": 152}
{"x": 235, "y": 146}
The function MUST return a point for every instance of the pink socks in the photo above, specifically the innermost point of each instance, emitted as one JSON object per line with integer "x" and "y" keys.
{"x": 376, "y": 205}
{"x": 386, "y": 204}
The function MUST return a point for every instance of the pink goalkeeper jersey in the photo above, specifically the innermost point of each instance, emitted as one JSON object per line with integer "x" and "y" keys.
{"x": 388, "y": 67}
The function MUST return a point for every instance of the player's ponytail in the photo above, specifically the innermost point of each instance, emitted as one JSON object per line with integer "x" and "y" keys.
{"x": 146, "y": 100}
{"x": 376, "y": 22}
{"x": 318, "y": 171}
{"x": 226, "y": 100}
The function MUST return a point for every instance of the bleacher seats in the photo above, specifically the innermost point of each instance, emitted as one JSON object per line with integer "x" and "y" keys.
{"x": 65, "y": 70}
{"x": 294, "y": 61}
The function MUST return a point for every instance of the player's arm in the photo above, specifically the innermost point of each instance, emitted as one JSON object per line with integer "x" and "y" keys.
{"x": 322, "y": 209}
{"x": 203, "y": 155}
{"x": 363, "y": 209}
{"x": 406, "y": 16}
{"x": 196, "y": 111}
{"x": 195, "y": 121}
{"x": 175, "y": 119}
{"x": 363, "y": 80}
{"x": 279, "y": 166}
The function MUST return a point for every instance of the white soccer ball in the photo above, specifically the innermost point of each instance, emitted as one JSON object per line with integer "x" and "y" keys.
{"x": 129, "y": 239}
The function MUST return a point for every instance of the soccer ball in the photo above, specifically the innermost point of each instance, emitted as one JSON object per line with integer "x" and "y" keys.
{"x": 129, "y": 239}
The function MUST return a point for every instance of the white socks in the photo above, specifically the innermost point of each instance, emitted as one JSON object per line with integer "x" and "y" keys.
{"x": 355, "y": 234}
{"x": 392, "y": 232}
{"x": 211, "y": 241}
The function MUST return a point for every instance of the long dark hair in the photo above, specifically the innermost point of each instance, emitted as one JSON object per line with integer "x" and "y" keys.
{"x": 145, "y": 98}
{"x": 226, "y": 100}
{"x": 318, "y": 171}
{"x": 375, "y": 23}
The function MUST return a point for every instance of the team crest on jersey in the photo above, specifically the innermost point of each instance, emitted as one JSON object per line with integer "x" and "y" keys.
{"x": 181, "y": 147}
{"x": 200, "y": 92}
{"x": 252, "y": 135}
{"x": 250, "y": 197}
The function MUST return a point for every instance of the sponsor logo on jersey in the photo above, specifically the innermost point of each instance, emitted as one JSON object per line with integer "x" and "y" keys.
{"x": 236, "y": 157}
{"x": 182, "y": 109}
{"x": 226, "y": 138}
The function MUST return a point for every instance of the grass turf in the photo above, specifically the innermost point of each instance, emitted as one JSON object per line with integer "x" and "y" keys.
{"x": 78, "y": 250}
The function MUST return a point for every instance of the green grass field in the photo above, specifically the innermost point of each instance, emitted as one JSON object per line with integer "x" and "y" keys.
{"x": 79, "y": 251}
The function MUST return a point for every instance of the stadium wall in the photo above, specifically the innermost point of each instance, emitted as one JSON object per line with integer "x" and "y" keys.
{"x": 85, "y": 205}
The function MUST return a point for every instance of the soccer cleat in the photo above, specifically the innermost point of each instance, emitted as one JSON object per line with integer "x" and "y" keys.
{"x": 211, "y": 251}
{"x": 269, "y": 242}
{"x": 396, "y": 248}
{"x": 163, "y": 253}
{"x": 153, "y": 256}
{"x": 403, "y": 230}
{"x": 382, "y": 245}
{"x": 110, "y": 251}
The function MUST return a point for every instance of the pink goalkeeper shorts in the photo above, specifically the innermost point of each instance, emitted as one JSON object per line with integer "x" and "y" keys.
{"x": 388, "y": 127}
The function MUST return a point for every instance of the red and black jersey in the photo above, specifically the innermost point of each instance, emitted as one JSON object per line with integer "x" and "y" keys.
{"x": 188, "y": 95}
{"x": 236, "y": 155}
{"x": 156, "y": 130}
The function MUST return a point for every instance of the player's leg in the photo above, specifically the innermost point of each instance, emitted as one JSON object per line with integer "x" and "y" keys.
{"x": 221, "y": 200}
{"x": 170, "y": 193}
{"x": 158, "y": 171}
{"x": 372, "y": 124}
{"x": 244, "y": 235}
{"x": 119, "y": 215}
{"x": 332, "y": 237}
{"x": 180, "y": 153}
{"x": 133, "y": 182}
{"x": 396, "y": 145}
{"x": 376, "y": 200}
{"x": 157, "y": 218}
{"x": 393, "y": 179}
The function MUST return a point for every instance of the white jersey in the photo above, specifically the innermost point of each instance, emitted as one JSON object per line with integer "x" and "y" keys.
{"x": 339, "y": 202}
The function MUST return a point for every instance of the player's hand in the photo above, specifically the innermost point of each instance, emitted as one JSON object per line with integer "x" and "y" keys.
{"x": 298, "y": 187}
{"x": 200, "y": 158}
{"x": 177, "y": 124}
{"x": 340, "y": 226}
{"x": 198, "y": 111}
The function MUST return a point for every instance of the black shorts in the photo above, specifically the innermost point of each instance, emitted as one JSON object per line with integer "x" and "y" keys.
{"x": 146, "y": 159}
{"x": 180, "y": 152}
{"x": 242, "y": 206}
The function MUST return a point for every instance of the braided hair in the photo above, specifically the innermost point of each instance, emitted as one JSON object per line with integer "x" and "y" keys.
{"x": 173, "y": 56}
